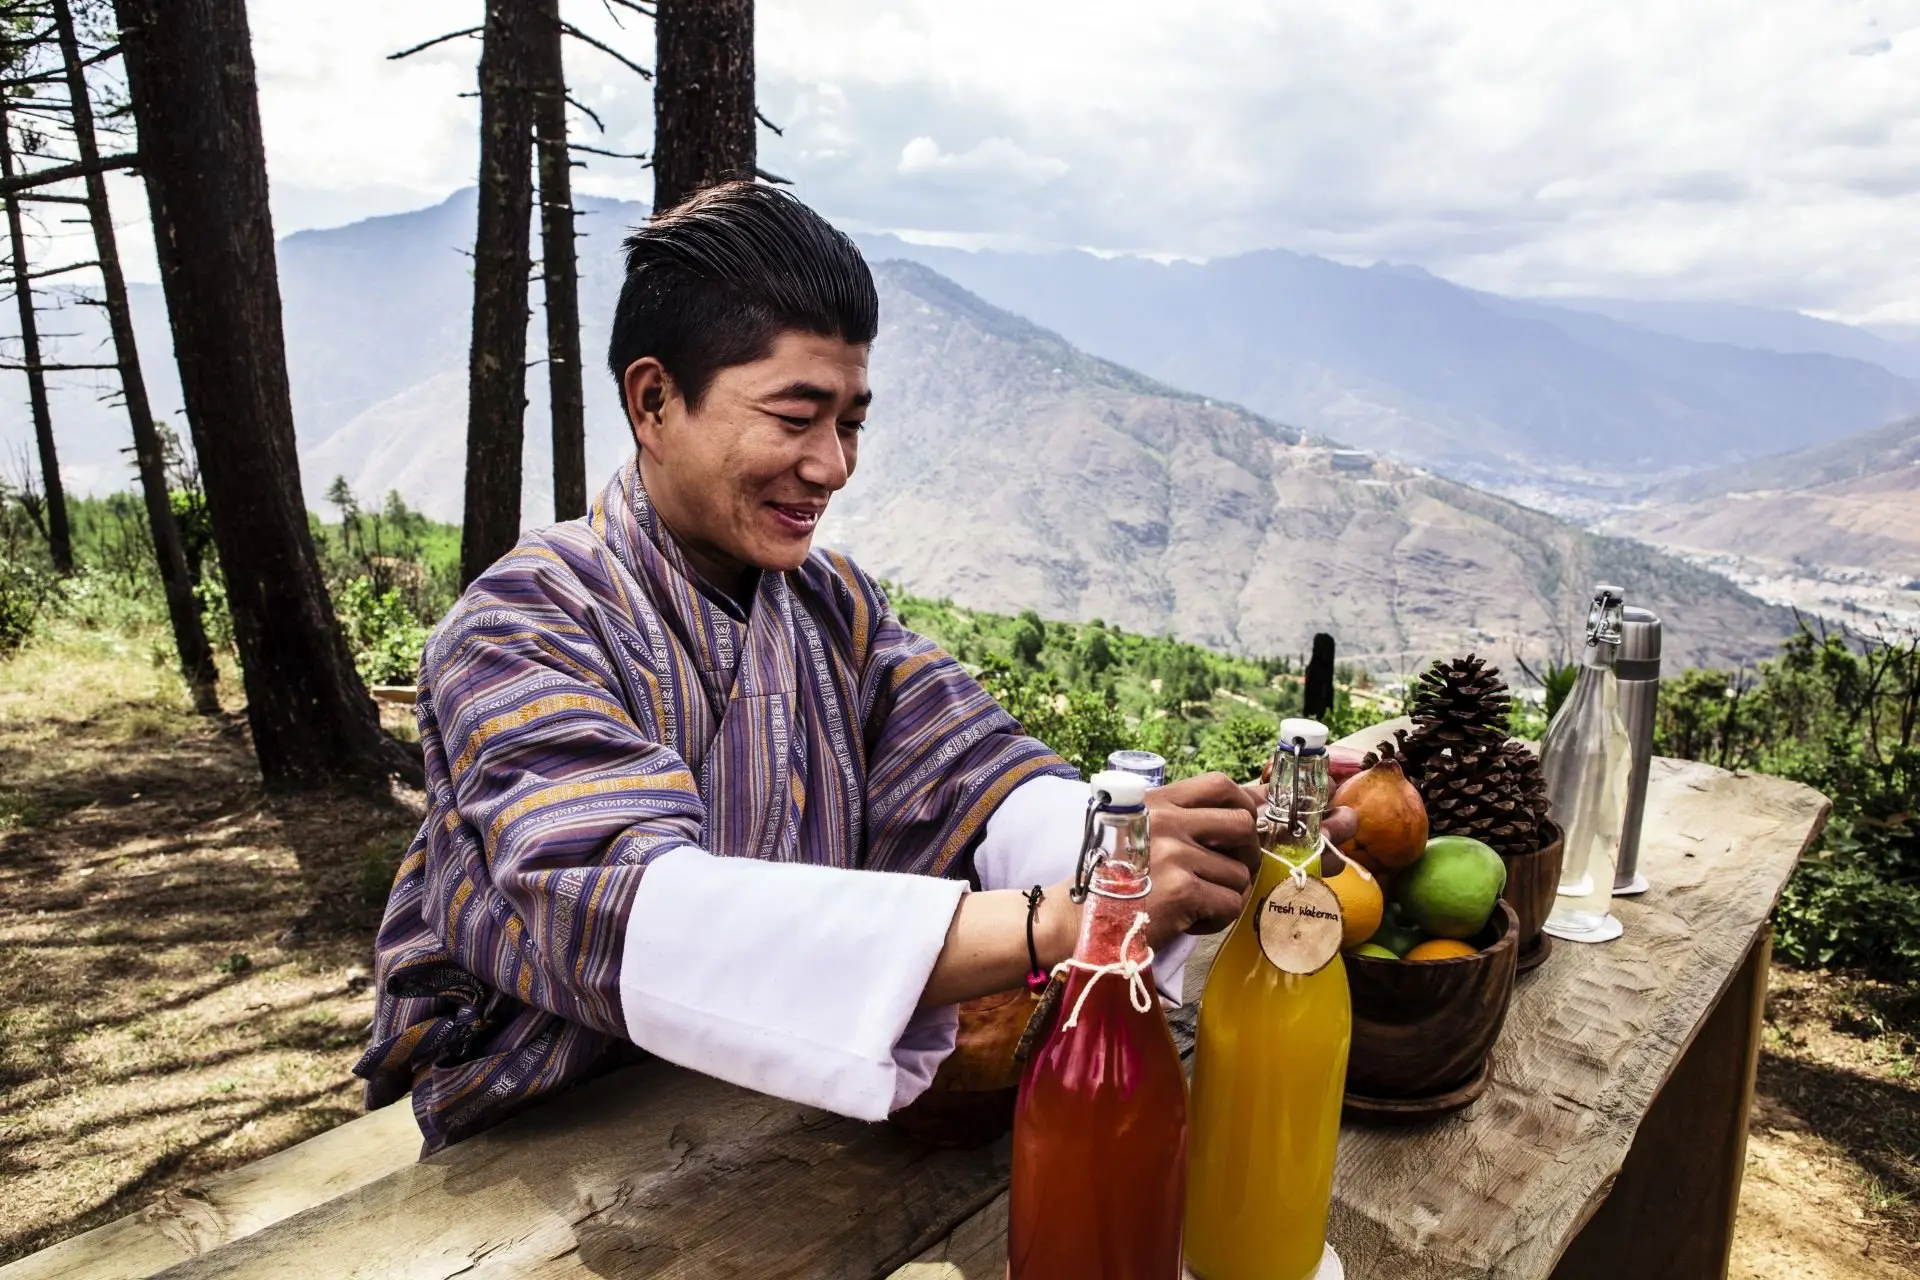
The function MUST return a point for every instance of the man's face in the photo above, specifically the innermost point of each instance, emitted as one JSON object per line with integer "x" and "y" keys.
{"x": 742, "y": 480}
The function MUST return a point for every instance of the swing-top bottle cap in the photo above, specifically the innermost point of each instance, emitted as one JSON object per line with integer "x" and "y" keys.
{"x": 1311, "y": 733}
{"x": 1123, "y": 790}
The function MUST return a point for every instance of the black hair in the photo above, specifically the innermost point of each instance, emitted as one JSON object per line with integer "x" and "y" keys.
{"x": 713, "y": 281}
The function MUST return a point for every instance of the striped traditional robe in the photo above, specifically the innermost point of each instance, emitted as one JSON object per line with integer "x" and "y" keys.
{"x": 586, "y": 708}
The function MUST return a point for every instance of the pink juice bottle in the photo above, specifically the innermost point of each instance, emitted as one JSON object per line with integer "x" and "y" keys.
{"x": 1100, "y": 1131}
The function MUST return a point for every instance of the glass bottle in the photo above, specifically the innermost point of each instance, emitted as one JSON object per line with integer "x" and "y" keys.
{"x": 1100, "y": 1130}
{"x": 1270, "y": 1063}
{"x": 1587, "y": 758}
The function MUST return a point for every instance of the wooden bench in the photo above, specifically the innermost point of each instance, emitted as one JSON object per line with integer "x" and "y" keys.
{"x": 1610, "y": 1143}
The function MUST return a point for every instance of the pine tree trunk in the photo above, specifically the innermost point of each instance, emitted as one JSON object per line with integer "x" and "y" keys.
{"x": 703, "y": 116}
{"x": 59, "y": 532}
{"x": 497, "y": 361}
{"x": 189, "y": 634}
{"x": 190, "y": 76}
{"x": 560, "y": 270}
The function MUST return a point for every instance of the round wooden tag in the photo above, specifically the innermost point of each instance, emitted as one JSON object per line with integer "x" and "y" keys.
{"x": 1300, "y": 926}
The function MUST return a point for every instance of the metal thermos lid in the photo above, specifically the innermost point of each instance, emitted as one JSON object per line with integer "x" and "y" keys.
{"x": 1639, "y": 635}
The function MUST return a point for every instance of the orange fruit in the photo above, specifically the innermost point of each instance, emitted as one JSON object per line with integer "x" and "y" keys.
{"x": 1361, "y": 902}
{"x": 1441, "y": 949}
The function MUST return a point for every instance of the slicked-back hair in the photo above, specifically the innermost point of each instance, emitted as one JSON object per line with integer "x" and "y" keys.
{"x": 713, "y": 281}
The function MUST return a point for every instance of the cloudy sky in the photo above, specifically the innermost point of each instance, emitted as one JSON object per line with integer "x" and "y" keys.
{"x": 1763, "y": 151}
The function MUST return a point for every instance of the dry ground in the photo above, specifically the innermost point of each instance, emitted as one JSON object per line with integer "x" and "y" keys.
{"x": 182, "y": 984}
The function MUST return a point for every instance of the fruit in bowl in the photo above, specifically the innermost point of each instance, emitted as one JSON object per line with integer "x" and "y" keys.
{"x": 1392, "y": 821}
{"x": 1450, "y": 891}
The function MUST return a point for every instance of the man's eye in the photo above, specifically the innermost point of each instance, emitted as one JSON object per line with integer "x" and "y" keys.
{"x": 859, "y": 424}
{"x": 794, "y": 422}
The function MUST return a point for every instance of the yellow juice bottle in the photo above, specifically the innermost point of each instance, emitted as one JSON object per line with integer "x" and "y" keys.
{"x": 1270, "y": 1058}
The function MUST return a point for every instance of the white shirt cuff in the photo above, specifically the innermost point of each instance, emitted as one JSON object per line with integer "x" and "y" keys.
{"x": 799, "y": 981}
{"x": 1034, "y": 838}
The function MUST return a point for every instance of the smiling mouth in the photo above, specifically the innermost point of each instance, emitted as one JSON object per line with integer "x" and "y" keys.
{"x": 797, "y": 518}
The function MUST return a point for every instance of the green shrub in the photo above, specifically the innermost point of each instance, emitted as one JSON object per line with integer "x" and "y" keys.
{"x": 99, "y": 600}
{"x": 1237, "y": 746}
{"x": 24, "y": 591}
{"x": 383, "y": 633}
{"x": 1081, "y": 725}
{"x": 1840, "y": 714}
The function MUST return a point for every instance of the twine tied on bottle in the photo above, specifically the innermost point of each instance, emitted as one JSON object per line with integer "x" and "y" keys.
{"x": 1297, "y": 871}
{"x": 1138, "y": 989}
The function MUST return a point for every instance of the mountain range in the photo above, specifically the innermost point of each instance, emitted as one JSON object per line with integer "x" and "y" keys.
{"x": 1086, "y": 487}
{"x": 1009, "y": 469}
{"x": 1494, "y": 390}
{"x": 1834, "y": 529}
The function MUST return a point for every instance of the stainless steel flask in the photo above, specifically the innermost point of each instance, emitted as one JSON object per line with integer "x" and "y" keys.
{"x": 1638, "y": 671}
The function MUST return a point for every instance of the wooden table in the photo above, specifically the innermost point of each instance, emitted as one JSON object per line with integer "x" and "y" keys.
{"x": 1609, "y": 1144}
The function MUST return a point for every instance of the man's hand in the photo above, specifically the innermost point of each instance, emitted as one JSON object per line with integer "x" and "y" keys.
{"x": 1204, "y": 859}
{"x": 1338, "y": 824}
{"x": 1204, "y": 856}
{"x": 1205, "y": 853}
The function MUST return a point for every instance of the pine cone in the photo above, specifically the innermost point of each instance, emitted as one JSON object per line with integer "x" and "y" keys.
{"x": 1474, "y": 780}
{"x": 1488, "y": 793}
{"x": 1388, "y": 750}
{"x": 1410, "y": 752}
{"x": 1461, "y": 704}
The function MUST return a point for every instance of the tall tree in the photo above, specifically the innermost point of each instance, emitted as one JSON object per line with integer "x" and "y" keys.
{"x": 559, "y": 268}
{"x": 183, "y": 609}
{"x": 190, "y": 75}
{"x": 497, "y": 360}
{"x": 703, "y": 113}
{"x": 59, "y": 532}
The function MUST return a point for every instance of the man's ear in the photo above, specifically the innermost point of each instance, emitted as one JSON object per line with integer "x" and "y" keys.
{"x": 648, "y": 389}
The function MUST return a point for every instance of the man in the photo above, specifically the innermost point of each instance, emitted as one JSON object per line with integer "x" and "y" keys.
{"x": 692, "y": 787}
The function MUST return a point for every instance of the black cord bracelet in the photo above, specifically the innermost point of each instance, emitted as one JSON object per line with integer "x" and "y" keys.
{"x": 1036, "y": 978}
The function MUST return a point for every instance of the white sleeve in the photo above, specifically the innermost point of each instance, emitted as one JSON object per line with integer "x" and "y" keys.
{"x": 798, "y": 981}
{"x": 1034, "y": 838}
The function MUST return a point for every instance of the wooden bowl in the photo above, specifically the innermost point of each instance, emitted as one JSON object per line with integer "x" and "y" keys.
{"x": 1422, "y": 1029}
{"x": 970, "y": 1102}
{"x": 1532, "y": 881}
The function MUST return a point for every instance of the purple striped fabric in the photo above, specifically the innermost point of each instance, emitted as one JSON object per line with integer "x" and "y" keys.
{"x": 586, "y": 707}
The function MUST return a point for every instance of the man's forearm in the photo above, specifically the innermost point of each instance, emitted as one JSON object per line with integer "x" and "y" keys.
{"x": 986, "y": 947}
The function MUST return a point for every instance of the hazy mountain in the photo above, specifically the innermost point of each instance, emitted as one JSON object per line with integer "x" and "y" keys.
{"x": 377, "y": 318}
{"x": 1007, "y": 469}
{"x": 1829, "y": 513}
{"x": 1395, "y": 359}
{"x": 1886, "y": 449}
{"x": 1389, "y": 357}
{"x": 1763, "y": 328}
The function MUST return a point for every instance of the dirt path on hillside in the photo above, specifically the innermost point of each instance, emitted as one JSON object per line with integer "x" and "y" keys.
{"x": 182, "y": 986}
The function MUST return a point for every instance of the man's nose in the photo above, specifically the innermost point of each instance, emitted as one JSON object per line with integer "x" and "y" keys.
{"x": 825, "y": 462}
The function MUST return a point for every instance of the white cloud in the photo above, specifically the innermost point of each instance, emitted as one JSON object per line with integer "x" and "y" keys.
{"x": 1585, "y": 146}
{"x": 994, "y": 157}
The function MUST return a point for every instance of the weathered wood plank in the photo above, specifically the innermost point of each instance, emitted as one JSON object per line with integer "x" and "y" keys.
{"x": 185, "y": 1224}
{"x": 1498, "y": 1192}
{"x": 650, "y": 1171}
